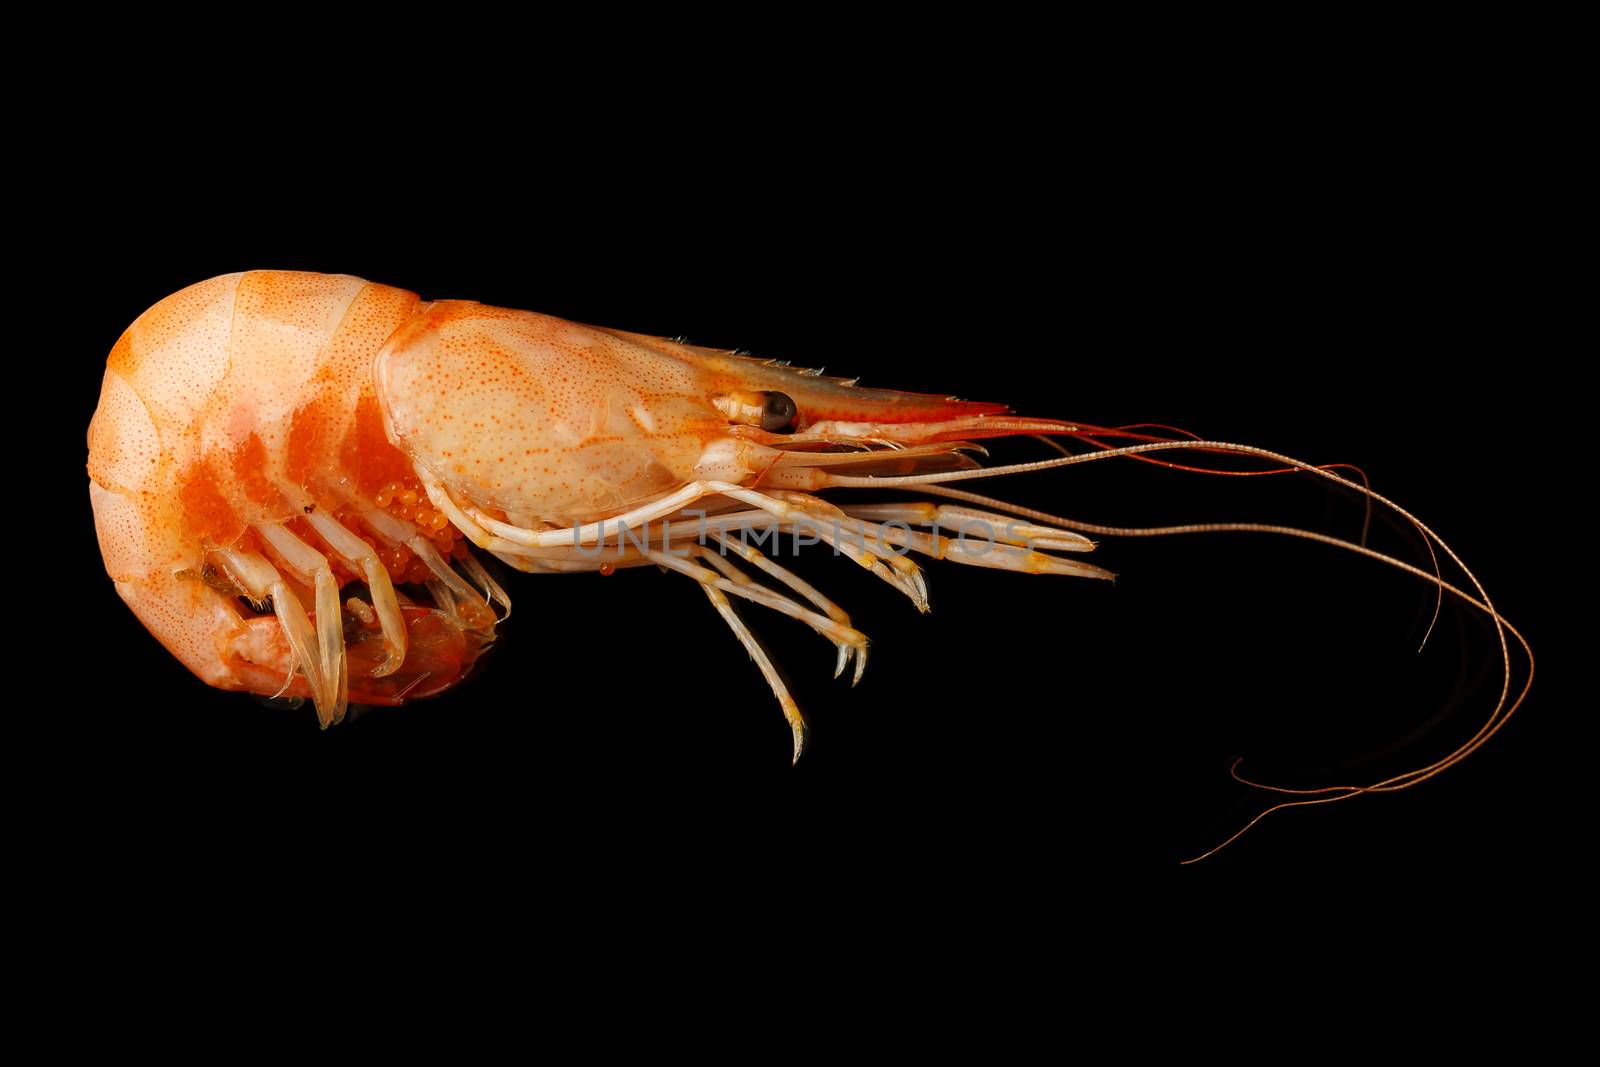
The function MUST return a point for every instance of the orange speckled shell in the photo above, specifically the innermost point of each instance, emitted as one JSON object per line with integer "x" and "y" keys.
{"x": 203, "y": 391}
{"x": 540, "y": 416}
{"x": 567, "y": 423}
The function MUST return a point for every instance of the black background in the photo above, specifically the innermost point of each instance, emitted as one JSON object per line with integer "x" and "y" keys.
{"x": 1333, "y": 279}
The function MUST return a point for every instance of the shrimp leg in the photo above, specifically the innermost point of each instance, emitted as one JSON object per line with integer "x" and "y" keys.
{"x": 1009, "y": 550}
{"x": 791, "y": 710}
{"x": 835, "y": 626}
{"x": 493, "y": 535}
{"x": 819, "y": 517}
{"x": 748, "y": 590}
{"x": 847, "y": 649}
{"x": 262, "y": 581}
{"x": 1002, "y": 547}
{"x": 991, "y": 524}
{"x": 395, "y": 531}
{"x": 359, "y": 554}
{"x": 326, "y": 671}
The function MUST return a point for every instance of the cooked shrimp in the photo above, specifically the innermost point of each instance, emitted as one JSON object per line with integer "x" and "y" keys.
{"x": 287, "y": 471}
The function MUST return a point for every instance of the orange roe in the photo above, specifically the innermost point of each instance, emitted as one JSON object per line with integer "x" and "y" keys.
{"x": 404, "y": 499}
{"x": 367, "y": 450}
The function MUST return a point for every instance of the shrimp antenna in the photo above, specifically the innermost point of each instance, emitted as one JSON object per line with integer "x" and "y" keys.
{"x": 1505, "y": 706}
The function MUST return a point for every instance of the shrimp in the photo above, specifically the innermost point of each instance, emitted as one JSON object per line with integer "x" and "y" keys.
{"x": 290, "y": 473}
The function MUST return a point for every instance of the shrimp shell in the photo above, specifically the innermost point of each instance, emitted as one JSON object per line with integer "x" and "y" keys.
{"x": 286, "y": 471}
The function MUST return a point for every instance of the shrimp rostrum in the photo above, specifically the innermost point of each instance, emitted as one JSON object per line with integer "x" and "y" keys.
{"x": 291, "y": 473}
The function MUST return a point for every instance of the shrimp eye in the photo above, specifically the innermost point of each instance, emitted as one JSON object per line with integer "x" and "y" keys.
{"x": 777, "y": 412}
{"x": 773, "y": 411}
